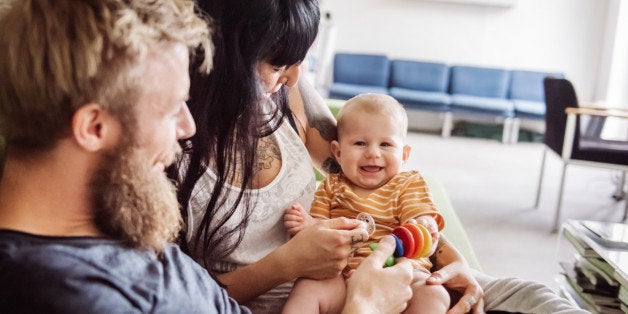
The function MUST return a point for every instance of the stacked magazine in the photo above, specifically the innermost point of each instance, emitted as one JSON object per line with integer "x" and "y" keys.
{"x": 596, "y": 278}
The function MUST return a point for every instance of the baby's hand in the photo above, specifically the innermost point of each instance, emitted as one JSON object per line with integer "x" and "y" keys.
{"x": 430, "y": 223}
{"x": 296, "y": 218}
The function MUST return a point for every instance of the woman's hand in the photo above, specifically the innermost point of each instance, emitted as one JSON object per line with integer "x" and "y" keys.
{"x": 321, "y": 250}
{"x": 460, "y": 278}
{"x": 454, "y": 273}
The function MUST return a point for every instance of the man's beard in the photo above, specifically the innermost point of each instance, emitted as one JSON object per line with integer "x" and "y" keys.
{"x": 133, "y": 203}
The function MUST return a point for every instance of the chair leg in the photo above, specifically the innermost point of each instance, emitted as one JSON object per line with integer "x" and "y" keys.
{"x": 619, "y": 191}
{"x": 625, "y": 209}
{"x": 514, "y": 131}
{"x": 560, "y": 199}
{"x": 447, "y": 124}
{"x": 507, "y": 130}
{"x": 623, "y": 178}
{"x": 538, "y": 187}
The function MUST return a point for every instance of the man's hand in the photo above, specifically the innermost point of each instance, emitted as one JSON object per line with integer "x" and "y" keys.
{"x": 375, "y": 289}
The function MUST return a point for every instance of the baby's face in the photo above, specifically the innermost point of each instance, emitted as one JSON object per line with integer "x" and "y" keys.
{"x": 370, "y": 149}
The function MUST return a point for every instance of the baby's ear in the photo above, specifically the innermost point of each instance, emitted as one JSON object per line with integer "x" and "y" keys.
{"x": 335, "y": 149}
{"x": 406, "y": 152}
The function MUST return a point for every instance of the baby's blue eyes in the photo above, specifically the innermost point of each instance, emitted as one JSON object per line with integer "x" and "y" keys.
{"x": 364, "y": 144}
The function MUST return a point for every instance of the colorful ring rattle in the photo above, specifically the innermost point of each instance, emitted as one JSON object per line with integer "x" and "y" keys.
{"x": 412, "y": 241}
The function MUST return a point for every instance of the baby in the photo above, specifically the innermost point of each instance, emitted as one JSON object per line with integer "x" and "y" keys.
{"x": 370, "y": 150}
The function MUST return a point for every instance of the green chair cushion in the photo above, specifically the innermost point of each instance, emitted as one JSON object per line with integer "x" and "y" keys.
{"x": 453, "y": 231}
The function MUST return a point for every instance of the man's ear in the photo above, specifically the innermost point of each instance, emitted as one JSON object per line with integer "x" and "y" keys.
{"x": 93, "y": 128}
{"x": 406, "y": 152}
{"x": 335, "y": 149}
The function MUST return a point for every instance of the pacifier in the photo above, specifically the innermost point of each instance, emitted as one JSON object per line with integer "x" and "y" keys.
{"x": 367, "y": 222}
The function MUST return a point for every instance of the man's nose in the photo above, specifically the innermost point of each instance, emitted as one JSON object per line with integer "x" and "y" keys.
{"x": 185, "y": 124}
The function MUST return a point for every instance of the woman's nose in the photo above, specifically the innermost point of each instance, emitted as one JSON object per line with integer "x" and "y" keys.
{"x": 292, "y": 75}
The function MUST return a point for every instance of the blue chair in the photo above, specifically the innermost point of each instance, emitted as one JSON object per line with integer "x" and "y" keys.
{"x": 422, "y": 86}
{"x": 359, "y": 73}
{"x": 483, "y": 91}
{"x": 527, "y": 94}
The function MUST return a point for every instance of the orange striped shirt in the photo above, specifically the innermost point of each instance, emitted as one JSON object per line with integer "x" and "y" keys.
{"x": 404, "y": 197}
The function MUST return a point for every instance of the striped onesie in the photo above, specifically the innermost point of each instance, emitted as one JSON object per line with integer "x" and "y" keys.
{"x": 404, "y": 197}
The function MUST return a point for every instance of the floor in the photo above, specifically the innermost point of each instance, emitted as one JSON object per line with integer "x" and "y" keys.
{"x": 492, "y": 187}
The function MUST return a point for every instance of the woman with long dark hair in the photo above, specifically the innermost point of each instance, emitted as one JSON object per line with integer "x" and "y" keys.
{"x": 246, "y": 163}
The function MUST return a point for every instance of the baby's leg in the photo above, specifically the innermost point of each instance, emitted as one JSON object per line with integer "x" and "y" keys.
{"x": 317, "y": 296}
{"x": 427, "y": 298}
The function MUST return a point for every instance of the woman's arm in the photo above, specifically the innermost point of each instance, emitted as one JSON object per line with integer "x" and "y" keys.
{"x": 495, "y": 294}
{"x": 316, "y": 123}
{"x": 319, "y": 251}
{"x": 453, "y": 272}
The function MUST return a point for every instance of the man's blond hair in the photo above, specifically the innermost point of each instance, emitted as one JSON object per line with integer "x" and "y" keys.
{"x": 374, "y": 104}
{"x": 57, "y": 55}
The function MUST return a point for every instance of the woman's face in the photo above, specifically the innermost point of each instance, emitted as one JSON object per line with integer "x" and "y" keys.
{"x": 273, "y": 76}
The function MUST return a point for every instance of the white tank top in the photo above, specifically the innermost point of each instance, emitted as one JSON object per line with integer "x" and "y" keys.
{"x": 295, "y": 182}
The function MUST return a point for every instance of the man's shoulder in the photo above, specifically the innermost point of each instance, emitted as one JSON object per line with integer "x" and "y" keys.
{"x": 51, "y": 275}
{"x": 61, "y": 274}
{"x": 28, "y": 250}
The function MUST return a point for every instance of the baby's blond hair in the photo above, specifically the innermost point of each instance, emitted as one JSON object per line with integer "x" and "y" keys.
{"x": 374, "y": 104}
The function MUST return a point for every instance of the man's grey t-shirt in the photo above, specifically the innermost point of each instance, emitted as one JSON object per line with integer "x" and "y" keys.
{"x": 98, "y": 275}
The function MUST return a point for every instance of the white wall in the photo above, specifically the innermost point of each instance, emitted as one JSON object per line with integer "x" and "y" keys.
{"x": 545, "y": 35}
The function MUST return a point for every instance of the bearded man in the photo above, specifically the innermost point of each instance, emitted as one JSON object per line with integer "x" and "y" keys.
{"x": 92, "y": 103}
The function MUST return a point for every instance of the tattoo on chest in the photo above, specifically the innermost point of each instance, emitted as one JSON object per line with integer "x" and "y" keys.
{"x": 268, "y": 154}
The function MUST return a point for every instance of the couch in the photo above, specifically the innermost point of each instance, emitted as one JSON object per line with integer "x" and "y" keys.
{"x": 460, "y": 91}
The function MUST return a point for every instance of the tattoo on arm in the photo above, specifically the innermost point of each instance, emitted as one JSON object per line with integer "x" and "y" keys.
{"x": 439, "y": 252}
{"x": 316, "y": 115}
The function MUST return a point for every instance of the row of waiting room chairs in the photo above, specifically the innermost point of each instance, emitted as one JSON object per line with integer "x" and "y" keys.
{"x": 500, "y": 94}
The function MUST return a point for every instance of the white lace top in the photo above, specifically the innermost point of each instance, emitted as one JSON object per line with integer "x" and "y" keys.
{"x": 294, "y": 183}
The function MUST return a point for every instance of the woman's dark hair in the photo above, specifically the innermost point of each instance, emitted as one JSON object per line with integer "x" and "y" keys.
{"x": 227, "y": 104}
